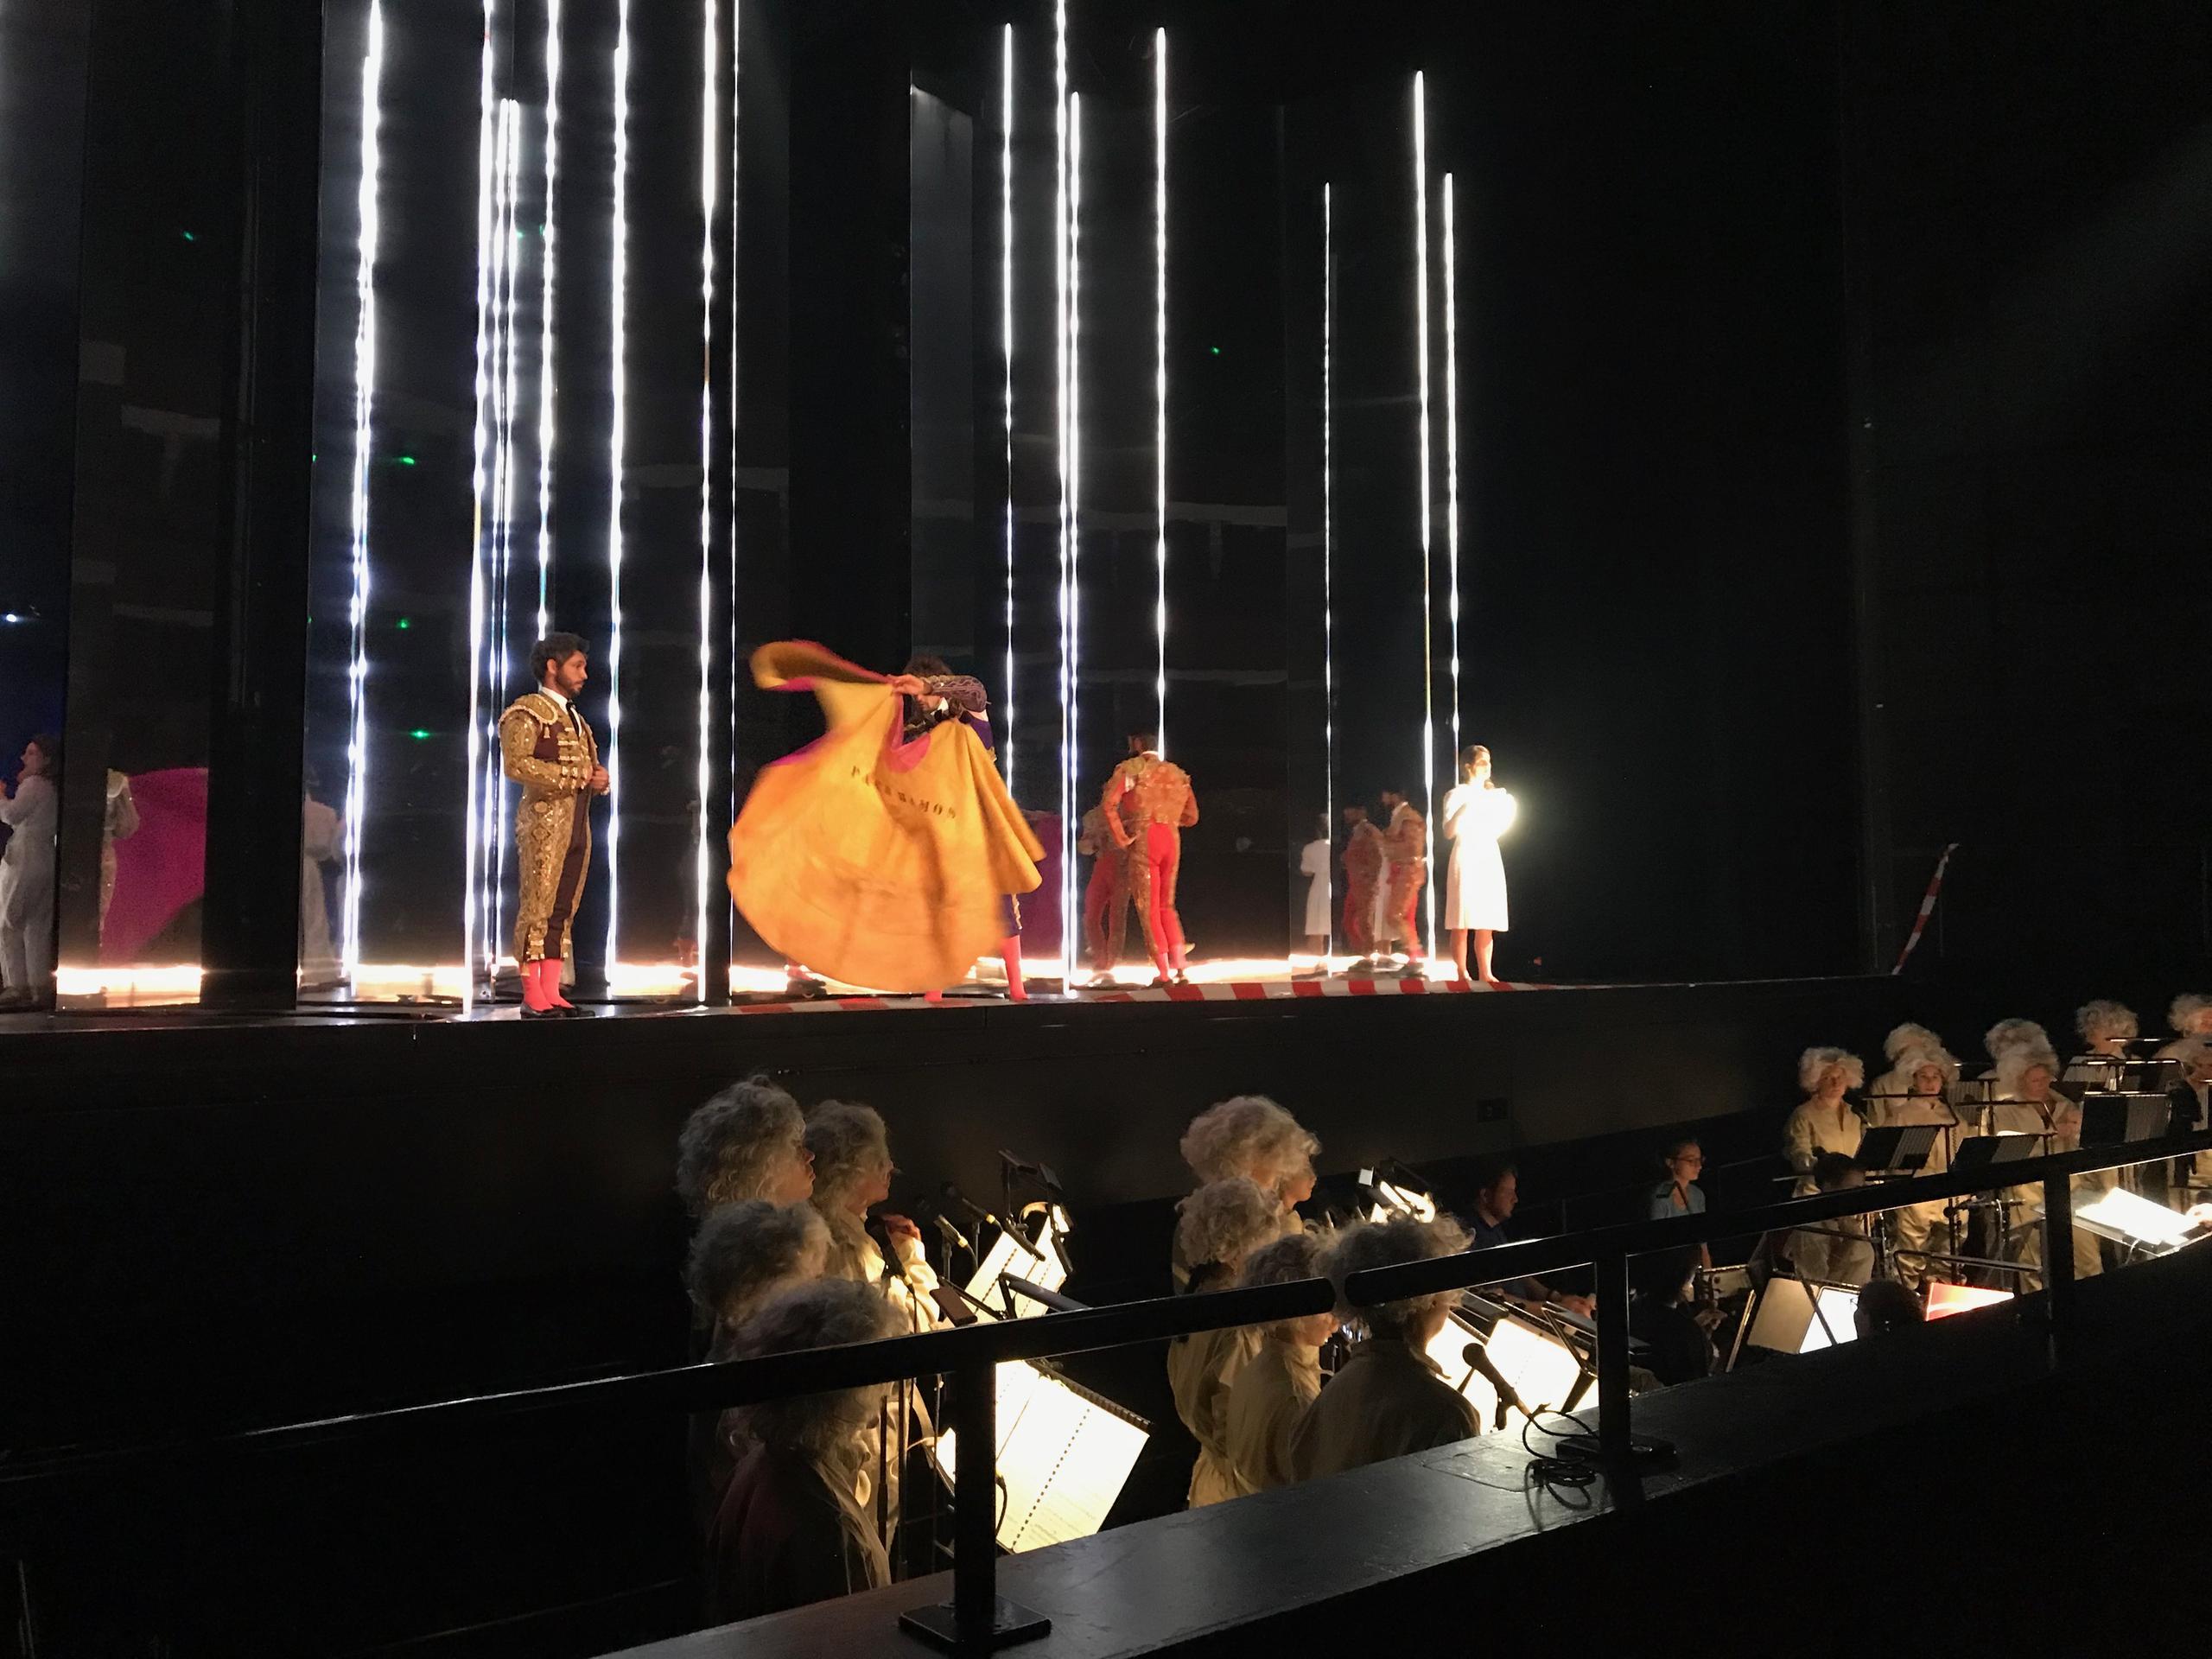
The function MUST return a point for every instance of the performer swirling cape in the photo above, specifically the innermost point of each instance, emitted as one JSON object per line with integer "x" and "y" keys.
{"x": 880, "y": 862}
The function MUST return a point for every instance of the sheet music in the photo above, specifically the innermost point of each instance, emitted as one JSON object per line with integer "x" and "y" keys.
{"x": 1039, "y": 1263}
{"x": 1063, "y": 1458}
{"x": 1538, "y": 1367}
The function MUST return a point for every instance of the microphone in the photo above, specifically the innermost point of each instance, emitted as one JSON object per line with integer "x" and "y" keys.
{"x": 1478, "y": 1356}
{"x": 974, "y": 1212}
{"x": 926, "y": 1210}
{"x": 1023, "y": 1167}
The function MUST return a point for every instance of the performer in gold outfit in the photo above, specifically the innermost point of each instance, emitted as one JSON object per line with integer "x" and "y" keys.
{"x": 546, "y": 746}
{"x": 1148, "y": 803}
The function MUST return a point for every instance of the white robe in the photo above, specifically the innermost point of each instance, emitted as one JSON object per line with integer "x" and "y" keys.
{"x": 27, "y": 886}
{"x": 1313, "y": 861}
{"x": 1474, "y": 893}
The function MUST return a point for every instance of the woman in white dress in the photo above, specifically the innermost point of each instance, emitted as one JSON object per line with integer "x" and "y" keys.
{"x": 1476, "y": 813}
{"x": 26, "y": 875}
{"x": 1314, "y": 861}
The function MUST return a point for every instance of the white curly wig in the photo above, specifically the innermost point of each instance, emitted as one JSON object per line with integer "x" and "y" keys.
{"x": 1910, "y": 1036}
{"x": 827, "y": 1313}
{"x": 2018, "y": 1060}
{"x": 2193, "y": 1052}
{"x": 1815, "y": 1061}
{"x": 745, "y": 1252}
{"x": 1223, "y": 1222}
{"x": 849, "y": 1143}
{"x": 1911, "y": 1047}
{"x": 1285, "y": 1260}
{"x": 2013, "y": 1033}
{"x": 731, "y": 1146}
{"x": 2182, "y": 1015}
{"x": 1386, "y": 1244}
{"x": 2096, "y": 1020}
{"x": 1248, "y": 1134}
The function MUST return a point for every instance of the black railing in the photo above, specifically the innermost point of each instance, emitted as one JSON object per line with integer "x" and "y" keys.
{"x": 978, "y": 1620}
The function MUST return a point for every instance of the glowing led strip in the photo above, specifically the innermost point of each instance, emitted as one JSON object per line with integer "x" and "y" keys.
{"x": 1061, "y": 269}
{"x": 1427, "y": 628}
{"x": 1006, "y": 354}
{"x": 618, "y": 302}
{"x": 1328, "y": 540}
{"x": 1071, "y": 900}
{"x": 1160, "y": 375}
{"x": 498, "y": 668}
{"x": 486, "y": 171}
{"x": 546, "y": 255}
{"x": 365, "y": 374}
{"x": 1451, "y": 452}
{"x": 732, "y": 659}
{"x": 708, "y": 138}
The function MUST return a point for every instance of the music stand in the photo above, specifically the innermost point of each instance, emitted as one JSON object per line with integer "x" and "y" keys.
{"x": 2137, "y": 1224}
{"x": 1897, "y": 1149}
{"x": 1979, "y": 1151}
{"x": 2113, "y": 1119}
{"x": 1065, "y": 1454}
{"x": 1799, "y": 1316}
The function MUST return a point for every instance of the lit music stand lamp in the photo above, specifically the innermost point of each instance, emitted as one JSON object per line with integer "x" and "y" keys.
{"x": 1065, "y": 1454}
{"x": 1799, "y": 1316}
{"x": 2135, "y": 1223}
{"x": 1946, "y": 1299}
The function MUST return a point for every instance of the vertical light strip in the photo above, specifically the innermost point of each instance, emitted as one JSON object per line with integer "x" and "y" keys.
{"x": 1329, "y": 541}
{"x": 709, "y": 145}
{"x": 547, "y": 258}
{"x": 734, "y": 660}
{"x": 1428, "y": 625}
{"x": 1451, "y": 454}
{"x": 1061, "y": 264}
{"x": 1005, "y": 356}
{"x": 500, "y": 677}
{"x": 617, "y": 350}
{"x": 1160, "y": 375}
{"x": 1071, "y": 896}
{"x": 365, "y": 375}
{"x": 487, "y": 170}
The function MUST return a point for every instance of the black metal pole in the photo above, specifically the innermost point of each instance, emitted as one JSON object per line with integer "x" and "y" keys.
{"x": 975, "y": 1504}
{"x": 1613, "y": 1437}
{"x": 250, "y": 938}
{"x": 2057, "y": 1259}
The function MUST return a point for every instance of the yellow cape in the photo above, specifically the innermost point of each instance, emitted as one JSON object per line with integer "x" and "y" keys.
{"x": 874, "y": 861}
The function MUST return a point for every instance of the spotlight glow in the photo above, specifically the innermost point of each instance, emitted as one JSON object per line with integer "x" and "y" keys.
{"x": 498, "y": 671}
{"x": 487, "y": 174}
{"x": 1451, "y": 452}
{"x": 1005, "y": 356}
{"x": 365, "y": 374}
{"x": 546, "y": 254}
{"x": 1329, "y": 539}
{"x": 1159, "y": 373}
{"x": 618, "y": 304}
{"x": 709, "y": 88}
{"x": 1428, "y": 625}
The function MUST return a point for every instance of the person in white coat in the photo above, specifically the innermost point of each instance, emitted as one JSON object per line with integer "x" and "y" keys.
{"x": 31, "y": 812}
{"x": 1476, "y": 813}
{"x": 1313, "y": 860}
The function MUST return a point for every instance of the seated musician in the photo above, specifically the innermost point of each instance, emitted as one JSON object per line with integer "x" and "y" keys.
{"x": 743, "y": 1256}
{"x": 1836, "y": 1251}
{"x": 2105, "y": 1028}
{"x": 789, "y": 1530}
{"x": 1283, "y": 1378}
{"x": 2027, "y": 1103}
{"x": 1913, "y": 1092}
{"x": 1215, "y": 1229}
{"x": 1389, "y": 1399}
{"x": 1681, "y": 1162}
{"x": 1498, "y": 1194}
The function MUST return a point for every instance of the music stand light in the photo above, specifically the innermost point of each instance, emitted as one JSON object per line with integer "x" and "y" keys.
{"x": 1945, "y": 1299}
{"x": 2129, "y": 1219}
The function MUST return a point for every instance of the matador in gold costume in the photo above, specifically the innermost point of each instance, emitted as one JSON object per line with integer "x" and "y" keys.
{"x": 1148, "y": 803}
{"x": 546, "y": 746}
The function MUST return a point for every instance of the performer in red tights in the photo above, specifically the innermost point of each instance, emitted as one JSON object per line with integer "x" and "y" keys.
{"x": 1148, "y": 803}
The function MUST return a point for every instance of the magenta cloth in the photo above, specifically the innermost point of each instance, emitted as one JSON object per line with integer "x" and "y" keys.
{"x": 1040, "y": 911}
{"x": 161, "y": 869}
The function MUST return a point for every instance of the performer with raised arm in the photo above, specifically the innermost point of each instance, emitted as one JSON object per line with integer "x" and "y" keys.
{"x": 1476, "y": 813}
{"x": 1106, "y": 896}
{"x": 888, "y": 852}
{"x": 1406, "y": 842}
{"x": 1148, "y": 803}
{"x": 547, "y": 746}
{"x": 1364, "y": 860}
